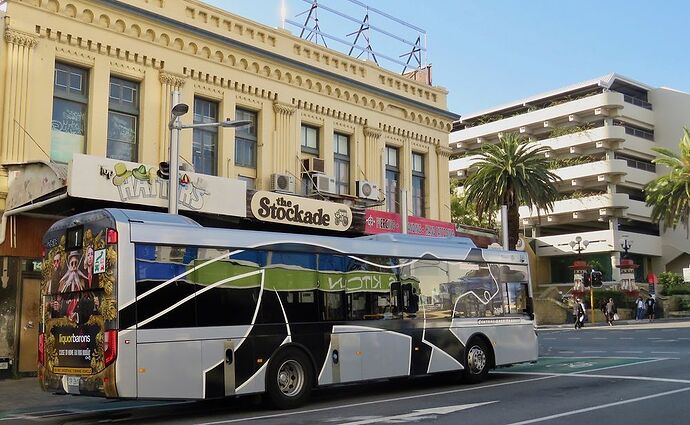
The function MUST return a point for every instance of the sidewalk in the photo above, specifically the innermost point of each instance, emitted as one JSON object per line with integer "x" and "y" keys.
{"x": 624, "y": 323}
{"x": 19, "y": 395}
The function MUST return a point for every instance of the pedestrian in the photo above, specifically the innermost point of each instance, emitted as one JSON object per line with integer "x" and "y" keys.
{"x": 579, "y": 313}
{"x": 640, "y": 304}
{"x": 610, "y": 311}
{"x": 651, "y": 305}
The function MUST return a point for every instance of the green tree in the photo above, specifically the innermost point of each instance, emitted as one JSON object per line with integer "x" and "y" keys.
{"x": 511, "y": 172}
{"x": 669, "y": 195}
{"x": 462, "y": 213}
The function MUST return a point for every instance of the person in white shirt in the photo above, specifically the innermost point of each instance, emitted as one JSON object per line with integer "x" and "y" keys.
{"x": 640, "y": 309}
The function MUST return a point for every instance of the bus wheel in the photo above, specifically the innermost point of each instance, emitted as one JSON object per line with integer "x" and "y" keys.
{"x": 289, "y": 379}
{"x": 477, "y": 361}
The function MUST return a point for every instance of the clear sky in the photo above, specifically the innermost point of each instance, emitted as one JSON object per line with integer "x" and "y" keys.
{"x": 489, "y": 52}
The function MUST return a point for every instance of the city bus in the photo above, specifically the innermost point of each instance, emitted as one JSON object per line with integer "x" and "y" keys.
{"x": 150, "y": 305}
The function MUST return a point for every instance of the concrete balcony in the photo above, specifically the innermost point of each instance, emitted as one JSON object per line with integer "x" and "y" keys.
{"x": 604, "y": 104}
{"x": 607, "y": 137}
{"x": 599, "y": 241}
{"x": 567, "y": 210}
{"x": 458, "y": 167}
{"x": 637, "y": 176}
{"x": 638, "y": 210}
{"x": 592, "y": 174}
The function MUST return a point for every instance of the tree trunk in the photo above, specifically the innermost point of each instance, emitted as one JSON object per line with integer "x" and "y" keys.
{"x": 513, "y": 225}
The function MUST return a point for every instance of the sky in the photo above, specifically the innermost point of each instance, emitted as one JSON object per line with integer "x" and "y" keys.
{"x": 490, "y": 52}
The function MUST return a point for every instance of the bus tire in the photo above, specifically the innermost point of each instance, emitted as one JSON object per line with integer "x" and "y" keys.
{"x": 477, "y": 361}
{"x": 289, "y": 379}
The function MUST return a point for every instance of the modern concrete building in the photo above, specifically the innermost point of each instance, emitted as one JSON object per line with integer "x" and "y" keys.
{"x": 85, "y": 105}
{"x": 601, "y": 134}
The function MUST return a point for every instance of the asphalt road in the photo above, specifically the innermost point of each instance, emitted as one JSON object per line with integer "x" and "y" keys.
{"x": 635, "y": 374}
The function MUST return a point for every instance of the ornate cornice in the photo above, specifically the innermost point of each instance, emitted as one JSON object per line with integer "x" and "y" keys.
{"x": 283, "y": 108}
{"x": 171, "y": 79}
{"x": 20, "y": 38}
{"x": 444, "y": 151}
{"x": 372, "y": 133}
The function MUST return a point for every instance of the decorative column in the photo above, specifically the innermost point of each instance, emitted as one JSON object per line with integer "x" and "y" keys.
{"x": 169, "y": 83}
{"x": 284, "y": 139}
{"x": 19, "y": 46}
{"x": 373, "y": 162}
{"x": 443, "y": 154}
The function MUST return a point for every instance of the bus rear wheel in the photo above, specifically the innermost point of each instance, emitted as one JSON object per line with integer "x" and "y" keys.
{"x": 477, "y": 361}
{"x": 289, "y": 379}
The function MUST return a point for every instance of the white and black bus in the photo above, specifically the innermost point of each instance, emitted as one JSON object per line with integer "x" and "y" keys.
{"x": 150, "y": 305}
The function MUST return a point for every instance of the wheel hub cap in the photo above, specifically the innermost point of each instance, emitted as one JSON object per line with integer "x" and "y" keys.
{"x": 476, "y": 360}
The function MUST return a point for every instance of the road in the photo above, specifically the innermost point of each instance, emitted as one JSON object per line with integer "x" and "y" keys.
{"x": 635, "y": 374}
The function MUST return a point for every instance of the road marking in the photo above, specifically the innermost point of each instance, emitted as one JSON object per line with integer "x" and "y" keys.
{"x": 594, "y": 351}
{"x": 629, "y": 352}
{"x": 655, "y": 337}
{"x": 665, "y": 352}
{"x": 625, "y": 337}
{"x": 574, "y": 338}
{"x": 549, "y": 339}
{"x": 419, "y": 414}
{"x": 386, "y": 400}
{"x": 600, "y": 337}
{"x": 566, "y": 352}
{"x": 602, "y": 406}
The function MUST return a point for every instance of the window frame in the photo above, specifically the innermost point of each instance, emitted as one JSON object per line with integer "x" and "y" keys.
{"x": 304, "y": 145}
{"x": 340, "y": 158}
{"x": 392, "y": 199}
{"x": 212, "y": 132}
{"x": 247, "y": 135}
{"x": 79, "y": 99}
{"x": 418, "y": 176}
{"x": 120, "y": 107}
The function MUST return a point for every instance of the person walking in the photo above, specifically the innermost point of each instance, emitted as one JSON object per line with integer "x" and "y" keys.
{"x": 651, "y": 305}
{"x": 610, "y": 311}
{"x": 579, "y": 313}
{"x": 640, "y": 304}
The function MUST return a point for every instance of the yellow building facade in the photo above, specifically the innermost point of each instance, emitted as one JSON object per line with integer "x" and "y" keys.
{"x": 209, "y": 54}
{"x": 95, "y": 77}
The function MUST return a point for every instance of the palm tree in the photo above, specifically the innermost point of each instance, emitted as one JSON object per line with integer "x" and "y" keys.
{"x": 669, "y": 195}
{"x": 511, "y": 172}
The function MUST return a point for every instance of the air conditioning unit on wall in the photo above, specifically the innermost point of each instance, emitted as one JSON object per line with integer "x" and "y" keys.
{"x": 321, "y": 183}
{"x": 313, "y": 165}
{"x": 282, "y": 183}
{"x": 367, "y": 190}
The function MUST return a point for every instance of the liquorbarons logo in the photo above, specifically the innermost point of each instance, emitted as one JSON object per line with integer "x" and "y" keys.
{"x": 277, "y": 208}
{"x": 67, "y": 339}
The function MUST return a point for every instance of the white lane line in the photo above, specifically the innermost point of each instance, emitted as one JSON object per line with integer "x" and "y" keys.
{"x": 655, "y": 337}
{"x": 619, "y": 365}
{"x": 573, "y": 338}
{"x": 549, "y": 339}
{"x": 626, "y": 337}
{"x": 365, "y": 403}
{"x": 599, "y": 337}
{"x": 629, "y": 352}
{"x": 593, "y": 351}
{"x": 566, "y": 352}
{"x": 665, "y": 352}
{"x": 602, "y": 406}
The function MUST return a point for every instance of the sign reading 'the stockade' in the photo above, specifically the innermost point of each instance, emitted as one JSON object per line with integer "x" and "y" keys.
{"x": 287, "y": 209}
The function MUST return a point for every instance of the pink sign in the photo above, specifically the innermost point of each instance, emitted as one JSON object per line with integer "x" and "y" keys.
{"x": 386, "y": 222}
{"x": 426, "y": 227}
{"x": 381, "y": 222}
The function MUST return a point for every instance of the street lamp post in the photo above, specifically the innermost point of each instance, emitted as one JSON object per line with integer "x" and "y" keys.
{"x": 581, "y": 245}
{"x": 176, "y": 127}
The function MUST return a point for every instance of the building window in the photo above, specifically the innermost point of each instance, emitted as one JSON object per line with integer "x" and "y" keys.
{"x": 245, "y": 139}
{"x": 123, "y": 119}
{"x": 392, "y": 180}
{"x": 310, "y": 140}
{"x": 418, "y": 184}
{"x": 70, "y": 103}
{"x": 205, "y": 140}
{"x": 341, "y": 149}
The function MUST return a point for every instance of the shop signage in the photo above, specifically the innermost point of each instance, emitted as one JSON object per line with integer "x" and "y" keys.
{"x": 106, "y": 179}
{"x": 386, "y": 222}
{"x": 297, "y": 211}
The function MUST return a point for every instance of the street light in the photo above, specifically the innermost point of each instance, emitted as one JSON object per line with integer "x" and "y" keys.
{"x": 581, "y": 244}
{"x": 626, "y": 245}
{"x": 175, "y": 127}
